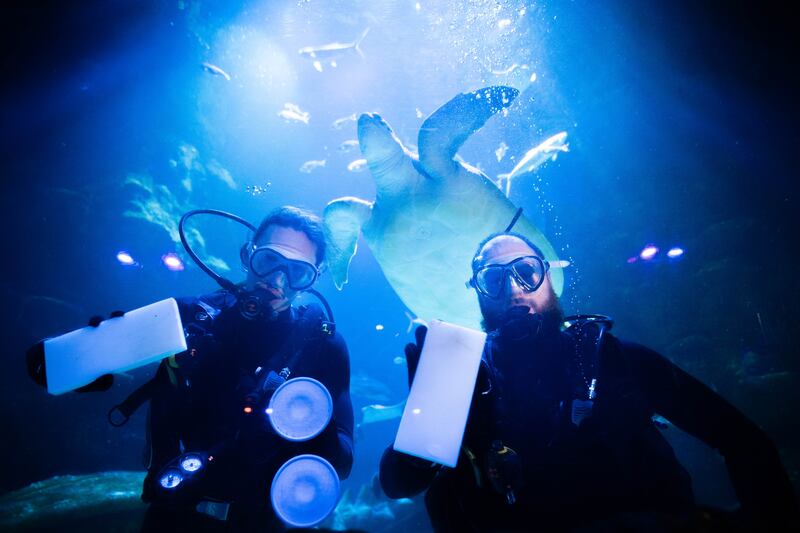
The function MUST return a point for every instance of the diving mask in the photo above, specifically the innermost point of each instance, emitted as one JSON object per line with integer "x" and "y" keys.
{"x": 528, "y": 271}
{"x": 264, "y": 260}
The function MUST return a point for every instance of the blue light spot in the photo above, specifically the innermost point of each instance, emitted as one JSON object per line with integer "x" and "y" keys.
{"x": 648, "y": 252}
{"x": 675, "y": 252}
{"x": 125, "y": 258}
{"x": 172, "y": 262}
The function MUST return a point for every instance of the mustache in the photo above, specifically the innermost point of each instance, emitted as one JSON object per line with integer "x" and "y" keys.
{"x": 492, "y": 318}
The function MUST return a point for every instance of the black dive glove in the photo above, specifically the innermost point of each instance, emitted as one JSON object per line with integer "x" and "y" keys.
{"x": 413, "y": 351}
{"x": 34, "y": 360}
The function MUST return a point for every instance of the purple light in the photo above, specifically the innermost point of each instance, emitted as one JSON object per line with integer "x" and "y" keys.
{"x": 648, "y": 252}
{"x": 631, "y": 260}
{"x": 172, "y": 262}
{"x": 125, "y": 258}
{"x": 675, "y": 252}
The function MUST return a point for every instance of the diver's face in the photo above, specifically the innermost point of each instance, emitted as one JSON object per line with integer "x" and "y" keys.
{"x": 500, "y": 251}
{"x": 292, "y": 244}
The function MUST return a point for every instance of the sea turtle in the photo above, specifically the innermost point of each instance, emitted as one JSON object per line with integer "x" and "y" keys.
{"x": 430, "y": 211}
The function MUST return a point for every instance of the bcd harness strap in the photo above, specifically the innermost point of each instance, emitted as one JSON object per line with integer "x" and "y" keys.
{"x": 588, "y": 332}
{"x": 119, "y": 414}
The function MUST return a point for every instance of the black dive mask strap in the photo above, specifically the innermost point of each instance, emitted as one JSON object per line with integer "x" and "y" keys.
{"x": 513, "y": 221}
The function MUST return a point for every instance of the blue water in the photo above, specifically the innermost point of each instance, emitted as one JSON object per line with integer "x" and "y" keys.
{"x": 679, "y": 131}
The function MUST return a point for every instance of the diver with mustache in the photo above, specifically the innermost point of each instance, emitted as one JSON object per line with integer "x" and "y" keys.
{"x": 560, "y": 434}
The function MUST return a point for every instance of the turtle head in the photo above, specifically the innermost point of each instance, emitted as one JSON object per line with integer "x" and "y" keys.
{"x": 388, "y": 160}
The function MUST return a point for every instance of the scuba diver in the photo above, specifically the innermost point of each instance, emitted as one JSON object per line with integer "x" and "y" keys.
{"x": 214, "y": 446}
{"x": 560, "y": 434}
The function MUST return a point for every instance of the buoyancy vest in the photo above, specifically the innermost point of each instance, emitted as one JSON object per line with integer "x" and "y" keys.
{"x": 598, "y": 426}
{"x": 185, "y": 385}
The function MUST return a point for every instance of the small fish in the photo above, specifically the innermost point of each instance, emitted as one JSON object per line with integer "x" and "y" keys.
{"x": 500, "y": 153}
{"x": 293, "y": 112}
{"x": 328, "y": 53}
{"x": 378, "y": 413}
{"x": 510, "y": 70}
{"x": 217, "y": 263}
{"x": 364, "y": 387}
{"x": 215, "y": 70}
{"x": 348, "y": 145}
{"x": 505, "y": 72}
{"x": 660, "y": 422}
{"x": 217, "y": 170}
{"x": 312, "y": 165}
{"x": 536, "y": 157}
{"x": 340, "y": 122}
{"x": 357, "y": 166}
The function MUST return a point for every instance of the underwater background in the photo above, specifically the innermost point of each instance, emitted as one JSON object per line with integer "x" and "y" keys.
{"x": 119, "y": 116}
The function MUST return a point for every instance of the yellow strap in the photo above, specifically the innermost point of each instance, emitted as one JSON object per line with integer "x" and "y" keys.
{"x": 476, "y": 469}
{"x": 172, "y": 363}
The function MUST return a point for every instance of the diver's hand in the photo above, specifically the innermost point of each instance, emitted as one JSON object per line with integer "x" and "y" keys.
{"x": 96, "y": 320}
{"x": 104, "y": 382}
{"x": 413, "y": 351}
{"x": 34, "y": 361}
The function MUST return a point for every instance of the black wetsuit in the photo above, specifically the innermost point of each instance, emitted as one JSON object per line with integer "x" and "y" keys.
{"x": 197, "y": 405}
{"x": 614, "y": 471}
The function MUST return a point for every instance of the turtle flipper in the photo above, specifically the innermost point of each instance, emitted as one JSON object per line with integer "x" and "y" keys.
{"x": 446, "y": 129}
{"x": 343, "y": 219}
{"x": 391, "y": 163}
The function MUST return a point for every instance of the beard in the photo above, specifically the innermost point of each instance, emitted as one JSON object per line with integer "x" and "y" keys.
{"x": 551, "y": 316}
